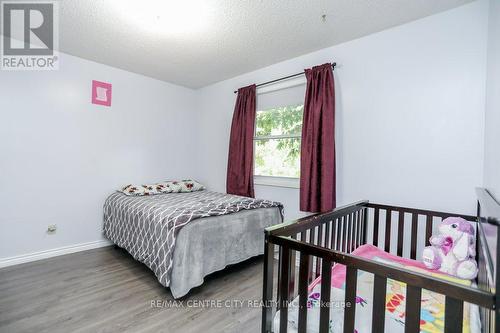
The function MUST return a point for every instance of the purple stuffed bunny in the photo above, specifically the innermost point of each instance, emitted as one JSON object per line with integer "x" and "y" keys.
{"x": 453, "y": 250}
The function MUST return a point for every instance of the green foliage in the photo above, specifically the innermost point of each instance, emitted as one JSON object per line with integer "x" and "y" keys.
{"x": 278, "y": 156}
{"x": 280, "y": 121}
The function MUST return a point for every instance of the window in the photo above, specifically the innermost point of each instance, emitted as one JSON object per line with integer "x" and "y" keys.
{"x": 278, "y": 129}
{"x": 277, "y": 141}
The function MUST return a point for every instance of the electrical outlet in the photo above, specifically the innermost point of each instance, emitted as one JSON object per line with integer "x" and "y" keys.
{"x": 51, "y": 229}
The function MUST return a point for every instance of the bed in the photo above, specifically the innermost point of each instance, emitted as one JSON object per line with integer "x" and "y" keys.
{"x": 362, "y": 262}
{"x": 182, "y": 237}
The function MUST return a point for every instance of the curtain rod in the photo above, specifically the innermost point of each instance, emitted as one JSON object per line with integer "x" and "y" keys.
{"x": 284, "y": 78}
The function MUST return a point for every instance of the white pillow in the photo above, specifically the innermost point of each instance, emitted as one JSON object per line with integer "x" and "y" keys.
{"x": 189, "y": 185}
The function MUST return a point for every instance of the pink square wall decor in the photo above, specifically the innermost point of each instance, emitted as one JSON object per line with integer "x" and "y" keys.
{"x": 101, "y": 93}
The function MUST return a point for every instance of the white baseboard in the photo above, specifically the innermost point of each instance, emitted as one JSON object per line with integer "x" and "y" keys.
{"x": 11, "y": 261}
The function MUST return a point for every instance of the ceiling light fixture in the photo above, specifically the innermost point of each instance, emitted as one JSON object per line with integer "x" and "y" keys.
{"x": 166, "y": 17}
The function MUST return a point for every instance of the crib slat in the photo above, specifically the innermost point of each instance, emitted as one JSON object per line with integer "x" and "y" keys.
{"x": 414, "y": 231}
{"x": 360, "y": 223}
{"x": 375, "y": 227}
{"x": 453, "y": 315}
{"x": 401, "y": 226}
{"x": 378, "y": 313}
{"x": 413, "y": 302}
{"x": 280, "y": 260}
{"x": 365, "y": 225}
{"x": 340, "y": 226}
{"x": 303, "y": 283}
{"x": 349, "y": 234}
{"x": 312, "y": 235}
{"x": 321, "y": 233}
{"x": 326, "y": 286}
{"x": 350, "y": 298}
{"x": 358, "y": 228}
{"x": 318, "y": 259}
{"x": 354, "y": 231}
{"x": 291, "y": 284}
{"x": 327, "y": 235}
{"x": 428, "y": 230}
{"x": 388, "y": 219}
{"x": 334, "y": 234}
{"x": 285, "y": 262}
{"x": 353, "y": 234}
{"x": 311, "y": 241}
{"x": 344, "y": 227}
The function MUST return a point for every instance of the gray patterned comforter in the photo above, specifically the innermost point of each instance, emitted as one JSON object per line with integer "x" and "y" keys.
{"x": 147, "y": 226}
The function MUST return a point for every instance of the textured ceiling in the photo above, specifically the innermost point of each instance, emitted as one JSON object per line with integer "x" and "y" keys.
{"x": 197, "y": 42}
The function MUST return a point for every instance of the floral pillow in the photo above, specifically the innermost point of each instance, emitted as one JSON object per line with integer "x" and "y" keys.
{"x": 187, "y": 185}
{"x": 145, "y": 189}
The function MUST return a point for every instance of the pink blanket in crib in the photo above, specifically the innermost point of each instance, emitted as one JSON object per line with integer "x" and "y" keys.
{"x": 369, "y": 251}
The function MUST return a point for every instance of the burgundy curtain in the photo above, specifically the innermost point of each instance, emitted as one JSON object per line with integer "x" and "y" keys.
{"x": 240, "y": 161}
{"x": 317, "y": 161}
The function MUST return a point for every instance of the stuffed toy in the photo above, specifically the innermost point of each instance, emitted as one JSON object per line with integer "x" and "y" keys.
{"x": 453, "y": 250}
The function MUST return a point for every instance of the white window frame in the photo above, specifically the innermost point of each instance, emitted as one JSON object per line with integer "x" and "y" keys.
{"x": 274, "y": 181}
{"x": 289, "y": 182}
{"x": 279, "y": 181}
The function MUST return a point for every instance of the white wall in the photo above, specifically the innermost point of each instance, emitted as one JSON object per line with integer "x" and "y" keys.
{"x": 492, "y": 121}
{"x": 60, "y": 155}
{"x": 410, "y": 114}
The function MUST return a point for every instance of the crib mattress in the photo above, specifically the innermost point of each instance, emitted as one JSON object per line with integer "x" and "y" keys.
{"x": 432, "y": 307}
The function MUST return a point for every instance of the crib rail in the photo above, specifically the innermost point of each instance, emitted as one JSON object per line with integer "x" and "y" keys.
{"x": 343, "y": 229}
{"x": 419, "y": 219}
{"x": 322, "y": 240}
{"x": 455, "y": 293}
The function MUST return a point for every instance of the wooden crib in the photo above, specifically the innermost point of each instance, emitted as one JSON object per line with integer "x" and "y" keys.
{"x": 308, "y": 247}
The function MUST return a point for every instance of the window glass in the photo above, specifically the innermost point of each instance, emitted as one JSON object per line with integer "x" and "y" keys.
{"x": 277, "y": 141}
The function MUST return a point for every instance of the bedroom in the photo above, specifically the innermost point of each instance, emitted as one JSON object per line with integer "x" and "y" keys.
{"x": 143, "y": 93}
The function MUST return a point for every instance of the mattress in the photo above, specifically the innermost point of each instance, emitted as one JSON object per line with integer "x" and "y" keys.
{"x": 432, "y": 306}
{"x": 214, "y": 230}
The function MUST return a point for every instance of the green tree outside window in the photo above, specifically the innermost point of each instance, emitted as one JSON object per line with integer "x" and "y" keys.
{"x": 277, "y": 141}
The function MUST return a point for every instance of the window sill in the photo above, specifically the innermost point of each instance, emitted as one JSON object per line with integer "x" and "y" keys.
{"x": 277, "y": 181}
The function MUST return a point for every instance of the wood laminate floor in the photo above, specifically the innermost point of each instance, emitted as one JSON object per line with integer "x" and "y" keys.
{"x": 105, "y": 290}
